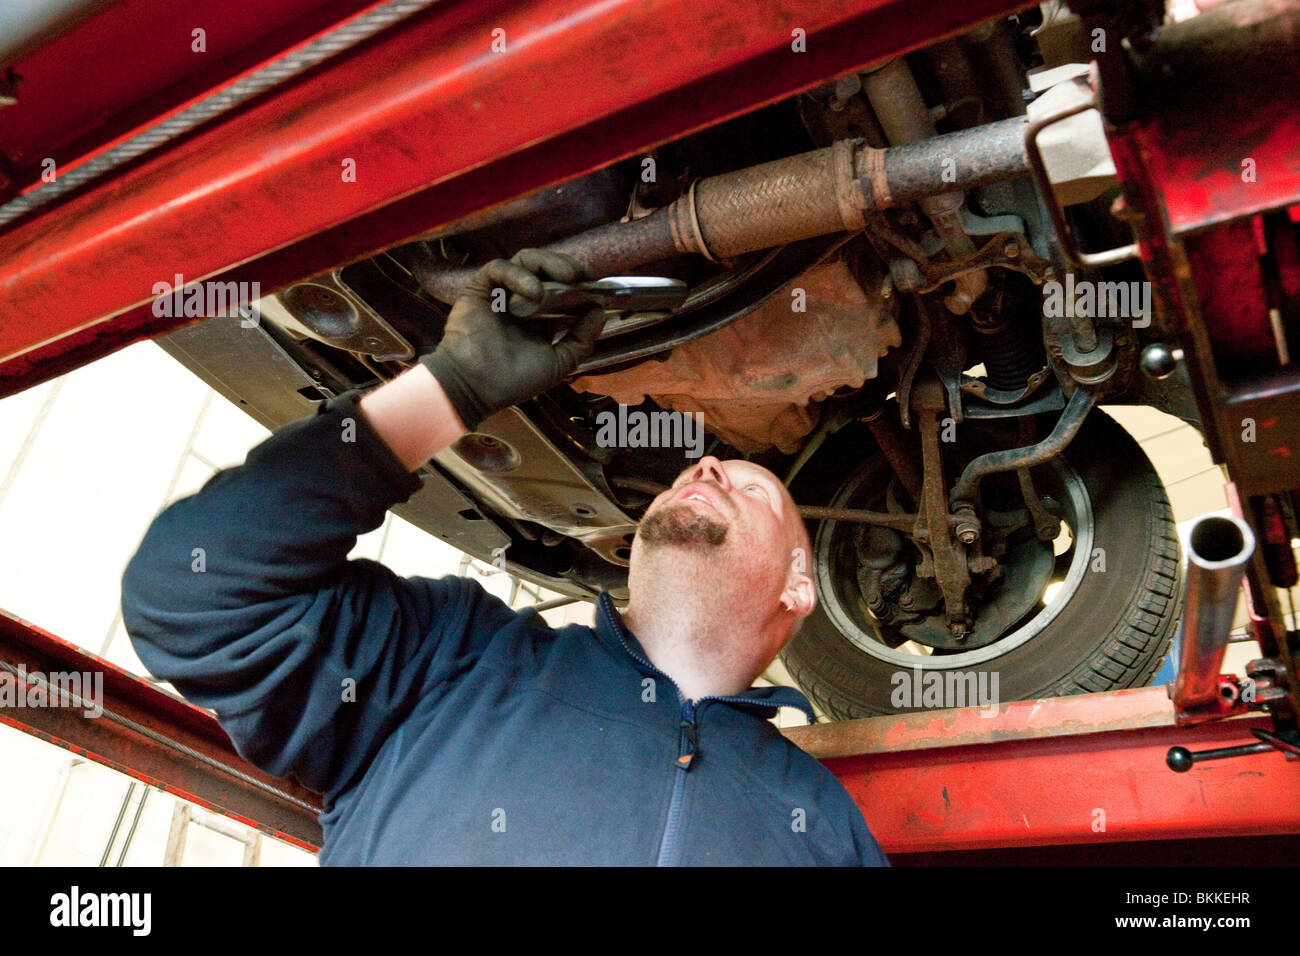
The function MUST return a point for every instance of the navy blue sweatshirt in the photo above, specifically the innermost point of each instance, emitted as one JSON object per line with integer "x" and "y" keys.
{"x": 439, "y": 725}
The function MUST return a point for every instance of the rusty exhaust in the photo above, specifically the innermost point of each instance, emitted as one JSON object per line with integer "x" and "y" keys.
{"x": 811, "y": 194}
{"x": 1217, "y": 551}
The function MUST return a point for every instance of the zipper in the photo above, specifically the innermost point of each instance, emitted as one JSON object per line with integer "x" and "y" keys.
{"x": 687, "y": 751}
{"x": 687, "y": 748}
{"x": 688, "y": 745}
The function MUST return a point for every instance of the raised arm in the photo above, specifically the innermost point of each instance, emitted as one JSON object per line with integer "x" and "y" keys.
{"x": 485, "y": 362}
{"x": 242, "y": 595}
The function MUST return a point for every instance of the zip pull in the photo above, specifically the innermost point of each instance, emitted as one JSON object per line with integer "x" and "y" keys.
{"x": 690, "y": 742}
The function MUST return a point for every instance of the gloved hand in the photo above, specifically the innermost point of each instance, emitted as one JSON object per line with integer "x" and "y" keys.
{"x": 490, "y": 360}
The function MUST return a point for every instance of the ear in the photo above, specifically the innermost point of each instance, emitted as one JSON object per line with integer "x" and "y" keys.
{"x": 799, "y": 596}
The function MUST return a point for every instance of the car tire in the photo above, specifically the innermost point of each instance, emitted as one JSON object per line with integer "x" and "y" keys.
{"x": 1114, "y": 630}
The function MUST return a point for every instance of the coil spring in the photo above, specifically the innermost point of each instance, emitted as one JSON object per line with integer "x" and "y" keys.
{"x": 1009, "y": 357}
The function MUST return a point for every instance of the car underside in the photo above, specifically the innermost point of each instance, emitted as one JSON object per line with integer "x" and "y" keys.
{"x": 911, "y": 291}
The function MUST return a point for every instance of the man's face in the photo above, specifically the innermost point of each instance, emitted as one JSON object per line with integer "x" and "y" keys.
{"x": 734, "y": 512}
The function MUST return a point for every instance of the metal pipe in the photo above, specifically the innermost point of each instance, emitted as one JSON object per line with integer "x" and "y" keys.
{"x": 135, "y": 821}
{"x": 1067, "y": 426}
{"x": 968, "y": 158}
{"x": 117, "y": 824}
{"x": 897, "y": 103}
{"x": 810, "y": 194}
{"x": 610, "y": 249}
{"x": 797, "y": 197}
{"x": 554, "y": 603}
{"x": 1218, "y": 548}
{"x": 883, "y": 519}
{"x": 900, "y": 458}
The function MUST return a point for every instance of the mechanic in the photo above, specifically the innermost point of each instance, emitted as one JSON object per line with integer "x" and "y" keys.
{"x": 439, "y": 725}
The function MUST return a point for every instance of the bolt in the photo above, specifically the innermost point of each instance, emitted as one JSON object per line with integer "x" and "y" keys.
{"x": 968, "y": 529}
{"x": 1012, "y": 249}
{"x": 1158, "y": 361}
{"x": 907, "y": 602}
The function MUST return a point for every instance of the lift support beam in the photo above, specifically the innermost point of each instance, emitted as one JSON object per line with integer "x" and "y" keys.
{"x": 1066, "y": 770}
{"x": 142, "y": 731}
{"x": 1063, "y": 770}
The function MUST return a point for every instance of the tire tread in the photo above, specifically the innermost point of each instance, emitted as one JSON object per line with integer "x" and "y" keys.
{"x": 1131, "y": 654}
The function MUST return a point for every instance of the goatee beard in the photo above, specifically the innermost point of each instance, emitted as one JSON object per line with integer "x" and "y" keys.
{"x": 681, "y": 525}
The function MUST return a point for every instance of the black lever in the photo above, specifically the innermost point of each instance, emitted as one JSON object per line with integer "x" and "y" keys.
{"x": 1180, "y": 759}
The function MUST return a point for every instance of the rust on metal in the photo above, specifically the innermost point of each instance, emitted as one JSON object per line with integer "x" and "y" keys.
{"x": 947, "y": 562}
{"x": 1019, "y": 720}
{"x": 901, "y": 459}
{"x": 152, "y": 736}
{"x": 753, "y": 379}
{"x": 1040, "y": 772}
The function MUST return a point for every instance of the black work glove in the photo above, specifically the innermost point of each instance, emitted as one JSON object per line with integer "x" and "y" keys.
{"x": 490, "y": 360}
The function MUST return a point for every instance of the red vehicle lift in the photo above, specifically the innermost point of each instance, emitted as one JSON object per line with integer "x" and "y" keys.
{"x": 439, "y": 123}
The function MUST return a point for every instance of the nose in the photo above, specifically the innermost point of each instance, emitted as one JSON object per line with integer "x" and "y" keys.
{"x": 710, "y": 469}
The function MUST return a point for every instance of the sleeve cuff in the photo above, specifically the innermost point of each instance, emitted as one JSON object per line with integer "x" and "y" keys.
{"x": 371, "y": 446}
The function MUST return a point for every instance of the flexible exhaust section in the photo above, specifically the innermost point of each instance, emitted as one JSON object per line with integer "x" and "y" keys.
{"x": 1217, "y": 551}
{"x": 817, "y": 193}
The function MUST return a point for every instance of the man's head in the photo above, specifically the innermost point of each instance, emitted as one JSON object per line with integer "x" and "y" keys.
{"x": 728, "y": 532}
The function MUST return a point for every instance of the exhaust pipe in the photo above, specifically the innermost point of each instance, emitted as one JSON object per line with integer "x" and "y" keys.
{"x": 1217, "y": 551}
{"x": 812, "y": 194}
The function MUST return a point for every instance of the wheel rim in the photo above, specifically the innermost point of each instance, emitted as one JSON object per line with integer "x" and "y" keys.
{"x": 835, "y": 593}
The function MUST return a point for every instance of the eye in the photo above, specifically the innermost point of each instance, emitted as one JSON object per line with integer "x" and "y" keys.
{"x": 757, "y": 490}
